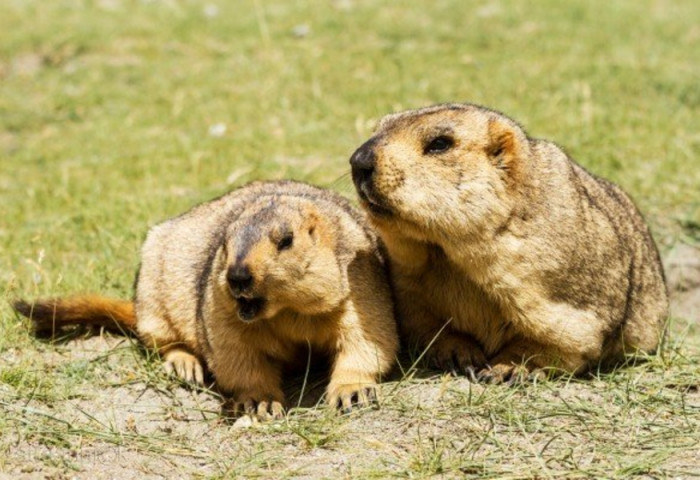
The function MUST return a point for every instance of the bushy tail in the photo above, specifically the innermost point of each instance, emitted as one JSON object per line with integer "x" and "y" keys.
{"x": 50, "y": 316}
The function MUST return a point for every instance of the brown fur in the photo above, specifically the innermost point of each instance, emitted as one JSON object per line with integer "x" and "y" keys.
{"x": 244, "y": 284}
{"x": 505, "y": 251}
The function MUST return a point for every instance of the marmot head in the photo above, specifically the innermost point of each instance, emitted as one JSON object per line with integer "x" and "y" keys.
{"x": 440, "y": 171}
{"x": 279, "y": 254}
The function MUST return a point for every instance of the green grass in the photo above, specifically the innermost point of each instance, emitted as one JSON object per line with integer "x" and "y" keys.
{"x": 106, "y": 114}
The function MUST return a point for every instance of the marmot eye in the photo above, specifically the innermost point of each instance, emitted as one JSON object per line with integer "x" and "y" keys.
{"x": 439, "y": 144}
{"x": 285, "y": 242}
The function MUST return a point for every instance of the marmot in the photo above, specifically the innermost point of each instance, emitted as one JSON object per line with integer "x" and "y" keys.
{"x": 244, "y": 284}
{"x": 505, "y": 252}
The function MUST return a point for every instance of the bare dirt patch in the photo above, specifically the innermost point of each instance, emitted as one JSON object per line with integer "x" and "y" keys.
{"x": 682, "y": 266}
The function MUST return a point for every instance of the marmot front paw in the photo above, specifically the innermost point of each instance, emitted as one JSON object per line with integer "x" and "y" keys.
{"x": 358, "y": 395}
{"x": 264, "y": 407}
{"x": 511, "y": 374}
{"x": 457, "y": 353}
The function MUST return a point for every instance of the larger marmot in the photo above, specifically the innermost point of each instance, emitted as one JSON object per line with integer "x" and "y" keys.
{"x": 244, "y": 284}
{"x": 503, "y": 250}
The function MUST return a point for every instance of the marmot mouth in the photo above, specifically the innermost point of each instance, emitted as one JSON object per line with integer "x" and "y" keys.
{"x": 248, "y": 308}
{"x": 378, "y": 210}
{"x": 373, "y": 205}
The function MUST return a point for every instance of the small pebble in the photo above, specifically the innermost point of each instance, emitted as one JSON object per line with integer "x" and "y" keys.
{"x": 217, "y": 130}
{"x": 301, "y": 31}
{"x": 211, "y": 10}
{"x": 246, "y": 421}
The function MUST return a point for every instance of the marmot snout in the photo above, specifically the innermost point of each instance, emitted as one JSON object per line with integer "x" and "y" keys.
{"x": 283, "y": 256}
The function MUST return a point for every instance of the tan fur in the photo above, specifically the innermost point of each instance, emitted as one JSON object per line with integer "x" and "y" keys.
{"x": 505, "y": 251}
{"x": 313, "y": 277}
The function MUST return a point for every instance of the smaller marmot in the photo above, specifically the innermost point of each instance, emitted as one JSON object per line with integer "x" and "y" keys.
{"x": 505, "y": 252}
{"x": 244, "y": 284}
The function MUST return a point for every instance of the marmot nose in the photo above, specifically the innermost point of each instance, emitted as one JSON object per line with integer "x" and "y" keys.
{"x": 239, "y": 278}
{"x": 362, "y": 162}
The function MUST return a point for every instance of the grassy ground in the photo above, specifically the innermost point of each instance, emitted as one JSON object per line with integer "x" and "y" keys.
{"x": 117, "y": 114}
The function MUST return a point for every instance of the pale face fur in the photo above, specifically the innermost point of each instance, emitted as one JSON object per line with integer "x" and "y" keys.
{"x": 290, "y": 263}
{"x": 435, "y": 173}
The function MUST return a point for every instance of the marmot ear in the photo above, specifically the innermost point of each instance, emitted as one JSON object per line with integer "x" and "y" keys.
{"x": 505, "y": 146}
{"x": 311, "y": 223}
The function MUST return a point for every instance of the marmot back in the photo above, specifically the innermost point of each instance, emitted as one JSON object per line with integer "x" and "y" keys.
{"x": 523, "y": 254}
